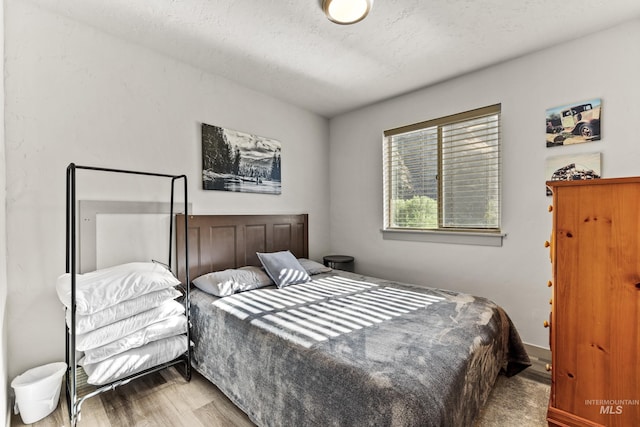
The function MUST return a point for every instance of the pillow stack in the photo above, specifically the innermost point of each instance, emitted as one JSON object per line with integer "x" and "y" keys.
{"x": 127, "y": 319}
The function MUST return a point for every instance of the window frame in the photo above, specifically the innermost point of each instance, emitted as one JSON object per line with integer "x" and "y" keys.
{"x": 460, "y": 235}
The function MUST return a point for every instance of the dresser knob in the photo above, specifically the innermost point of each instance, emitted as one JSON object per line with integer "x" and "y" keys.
{"x": 547, "y": 244}
{"x": 550, "y": 208}
{"x": 549, "y": 284}
{"x": 548, "y": 367}
{"x": 551, "y": 301}
{"x": 546, "y": 323}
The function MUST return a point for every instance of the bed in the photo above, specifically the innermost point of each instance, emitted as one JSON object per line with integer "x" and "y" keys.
{"x": 342, "y": 349}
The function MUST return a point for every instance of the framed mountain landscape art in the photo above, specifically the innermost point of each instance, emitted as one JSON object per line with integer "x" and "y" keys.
{"x": 240, "y": 162}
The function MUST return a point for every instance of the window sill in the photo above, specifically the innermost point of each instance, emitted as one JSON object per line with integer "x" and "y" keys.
{"x": 440, "y": 236}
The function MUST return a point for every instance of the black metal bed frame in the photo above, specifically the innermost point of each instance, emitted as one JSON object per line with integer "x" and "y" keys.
{"x": 74, "y": 403}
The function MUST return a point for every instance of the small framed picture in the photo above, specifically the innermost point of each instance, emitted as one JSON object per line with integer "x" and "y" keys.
{"x": 573, "y": 167}
{"x": 573, "y": 123}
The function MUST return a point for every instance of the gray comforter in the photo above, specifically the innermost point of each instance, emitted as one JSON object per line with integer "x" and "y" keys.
{"x": 349, "y": 350}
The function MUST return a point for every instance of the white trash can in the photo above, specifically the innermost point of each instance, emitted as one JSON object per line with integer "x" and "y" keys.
{"x": 38, "y": 391}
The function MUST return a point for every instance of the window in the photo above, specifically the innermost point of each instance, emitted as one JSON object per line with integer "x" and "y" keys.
{"x": 444, "y": 174}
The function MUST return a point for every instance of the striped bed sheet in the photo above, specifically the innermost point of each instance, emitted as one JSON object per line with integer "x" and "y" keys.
{"x": 350, "y": 350}
{"x": 324, "y": 308}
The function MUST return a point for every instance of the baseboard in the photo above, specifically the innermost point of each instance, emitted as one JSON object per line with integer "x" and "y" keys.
{"x": 540, "y": 357}
{"x": 538, "y": 352}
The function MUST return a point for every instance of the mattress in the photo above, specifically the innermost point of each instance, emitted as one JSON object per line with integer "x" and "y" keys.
{"x": 350, "y": 350}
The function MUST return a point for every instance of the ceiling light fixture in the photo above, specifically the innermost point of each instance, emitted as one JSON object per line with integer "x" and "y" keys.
{"x": 346, "y": 11}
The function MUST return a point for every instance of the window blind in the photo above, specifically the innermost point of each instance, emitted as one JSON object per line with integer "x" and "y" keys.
{"x": 444, "y": 173}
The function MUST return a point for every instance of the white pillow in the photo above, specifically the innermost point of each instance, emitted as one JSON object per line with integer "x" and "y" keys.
{"x": 117, "y": 330}
{"x": 231, "y": 281}
{"x": 128, "y": 308}
{"x": 103, "y": 288}
{"x": 175, "y": 325}
{"x": 136, "y": 360}
{"x": 283, "y": 268}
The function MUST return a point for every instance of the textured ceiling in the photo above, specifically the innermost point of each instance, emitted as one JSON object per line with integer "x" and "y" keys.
{"x": 288, "y": 49}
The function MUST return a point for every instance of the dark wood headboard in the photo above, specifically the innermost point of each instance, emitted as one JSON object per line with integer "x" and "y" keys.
{"x": 218, "y": 242}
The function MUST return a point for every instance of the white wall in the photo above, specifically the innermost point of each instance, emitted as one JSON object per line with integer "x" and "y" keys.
{"x": 603, "y": 65}
{"x": 3, "y": 239}
{"x": 74, "y": 94}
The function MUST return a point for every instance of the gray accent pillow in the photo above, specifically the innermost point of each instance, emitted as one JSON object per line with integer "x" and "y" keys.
{"x": 283, "y": 268}
{"x": 231, "y": 281}
{"x": 313, "y": 267}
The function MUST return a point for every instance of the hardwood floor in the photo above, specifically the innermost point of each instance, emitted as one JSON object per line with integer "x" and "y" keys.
{"x": 160, "y": 399}
{"x": 166, "y": 399}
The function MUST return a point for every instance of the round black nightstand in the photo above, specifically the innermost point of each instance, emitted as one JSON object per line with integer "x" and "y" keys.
{"x": 339, "y": 262}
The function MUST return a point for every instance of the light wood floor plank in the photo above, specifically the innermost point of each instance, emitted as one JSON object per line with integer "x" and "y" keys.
{"x": 160, "y": 399}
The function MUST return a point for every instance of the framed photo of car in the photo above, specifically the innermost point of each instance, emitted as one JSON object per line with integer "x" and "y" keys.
{"x": 573, "y": 123}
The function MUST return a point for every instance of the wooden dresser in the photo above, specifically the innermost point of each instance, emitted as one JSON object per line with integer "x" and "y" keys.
{"x": 595, "y": 310}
